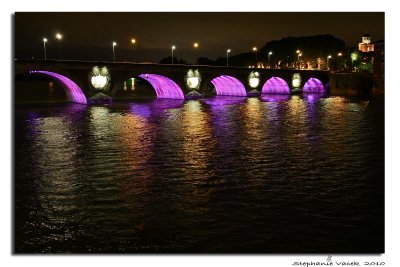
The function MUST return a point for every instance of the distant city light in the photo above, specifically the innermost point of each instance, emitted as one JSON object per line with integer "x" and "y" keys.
{"x": 133, "y": 41}
{"x": 254, "y": 49}
{"x": 59, "y": 36}
{"x": 196, "y": 45}
{"x": 45, "y": 40}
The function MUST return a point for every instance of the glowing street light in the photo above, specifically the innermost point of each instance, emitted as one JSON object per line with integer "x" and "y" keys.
{"x": 133, "y": 42}
{"x": 353, "y": 58}
{"x": 113, "y": 46}
{"x": 340, "y": 55}
{"x": 299, "y": 54}
{"x": 255, "y": 50}
{"x": 172, "y": 54}
{"x": 44, "y": 46}
{"x": 59, "y": 37}
{"x": 196, "y": 45}
{"x": 298, "y": 59}
{"x": 269, "y": 55}
{"x": 227, "y": 57}
{"x": 327, "y": 61}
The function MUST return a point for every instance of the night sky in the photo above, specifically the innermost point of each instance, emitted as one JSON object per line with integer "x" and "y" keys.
{"x": 89, "y": 36}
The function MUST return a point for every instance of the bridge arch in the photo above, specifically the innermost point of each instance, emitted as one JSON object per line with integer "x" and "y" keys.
{"x": 313, "y": 85}
{"x": 73, "y": 91}
{"x": 164, "y": 86}
{"x": 228, "y": 86}
{"x": 275, "y": 85}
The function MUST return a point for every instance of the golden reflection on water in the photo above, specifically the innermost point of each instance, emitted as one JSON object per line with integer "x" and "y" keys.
{"x": 56, "y": 155}
{"x": 197, "y": 136}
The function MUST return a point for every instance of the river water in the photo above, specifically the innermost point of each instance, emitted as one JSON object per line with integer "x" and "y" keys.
{"x": 274, "y": 174}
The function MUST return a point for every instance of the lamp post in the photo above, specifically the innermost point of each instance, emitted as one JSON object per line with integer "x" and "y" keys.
{"x": 227, "y": 57}
{"x": 44, "y": 46}
{"x": 327, "y": 61}
{"x": 196, "y": 45}
{"x": 298, "y": 52}
{"x": 340, "y": 62}
{"x": 59, "y": 37}
{"x": 133, "y": 42}
{"x": 113, "y": 46}
{"x": 269, "y": 56}
{"x": 353, "y": 58}
{"x": 255, "y": 50}
{"x": 172, "y": 54}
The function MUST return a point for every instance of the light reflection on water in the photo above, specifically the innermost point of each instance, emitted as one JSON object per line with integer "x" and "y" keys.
{"x": 269, "y": 174}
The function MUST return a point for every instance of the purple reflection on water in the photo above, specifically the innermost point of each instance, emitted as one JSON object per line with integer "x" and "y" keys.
{"x": 224, "y": 100}
{"x": 312, "y": 97}
{"x": 228, "y": 86}
{"x": 73, "y": 91}
{"x": 274, "y": 98}
{"x": 164, "y": 87}
{"x": 313, "y": 85}
{"x": 275, "y": 85}
{"x": 145, "y": 110}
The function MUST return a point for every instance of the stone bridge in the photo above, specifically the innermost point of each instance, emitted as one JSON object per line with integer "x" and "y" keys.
{"x": 82, "y": 79}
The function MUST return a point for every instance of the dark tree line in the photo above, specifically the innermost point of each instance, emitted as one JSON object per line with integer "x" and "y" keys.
{"x": 283, "y": 51}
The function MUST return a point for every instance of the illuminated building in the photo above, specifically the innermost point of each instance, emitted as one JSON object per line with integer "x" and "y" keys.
{"x": 365, "y": 45}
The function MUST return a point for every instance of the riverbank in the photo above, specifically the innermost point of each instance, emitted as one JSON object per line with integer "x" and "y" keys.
{"x": 354, "y": 84}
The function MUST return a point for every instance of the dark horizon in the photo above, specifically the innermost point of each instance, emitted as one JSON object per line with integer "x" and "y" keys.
{"x": 89, "y": 36}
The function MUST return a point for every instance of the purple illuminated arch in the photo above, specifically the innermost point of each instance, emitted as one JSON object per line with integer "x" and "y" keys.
{"x": 228, "y": 85}
{"x": 275, "y": 85}
{"x": 164, "y": 87}
{"x": 73, "y": 91}
{"x": 313, "y": 85}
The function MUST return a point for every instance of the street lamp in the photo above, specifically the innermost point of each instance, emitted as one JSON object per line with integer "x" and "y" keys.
{"x": 44, "y": 46}
{"x": 133, "y": 42}
{"x": 298, "y": 52}
{"x": 327, "y": 61}
{"x": 172, "y": 54}
{"x": 59, "y": 37}
{"x": 113, "y": 46}
{"x": 340, "y": 62}
{"x": 298, "y": 59}
{"x": 196, "y": 45}
{"x": 255, "y": 50}
{"x": 269, "y": 55}
{"x": 353, "y": 58}
{"x": 227, "y": 57}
